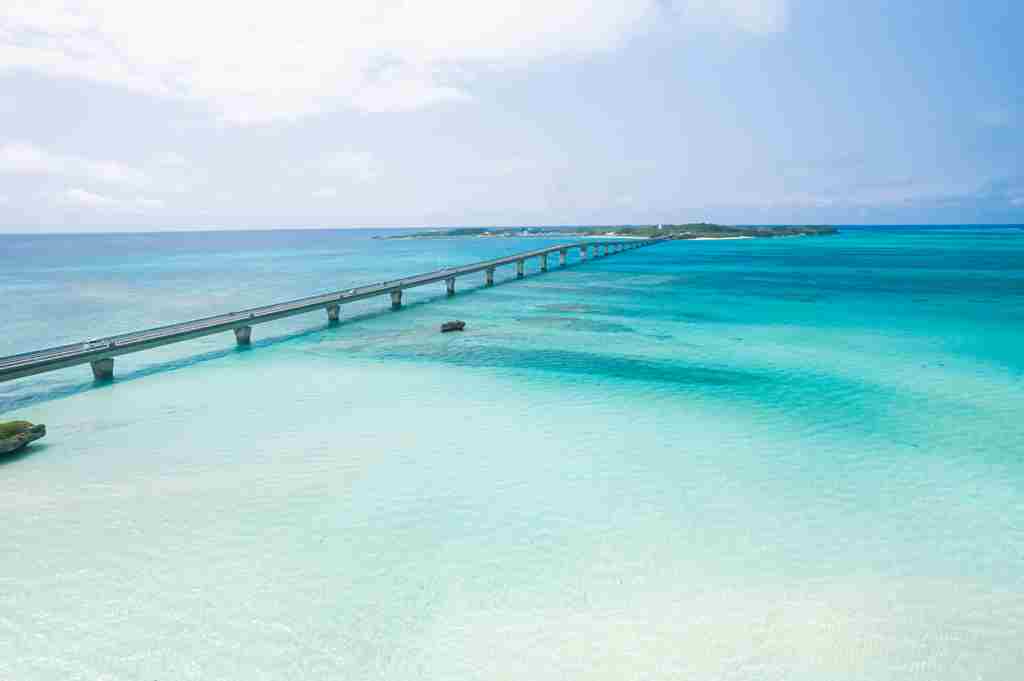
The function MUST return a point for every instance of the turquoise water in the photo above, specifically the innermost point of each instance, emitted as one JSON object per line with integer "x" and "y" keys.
{"x": 789, "y": 459}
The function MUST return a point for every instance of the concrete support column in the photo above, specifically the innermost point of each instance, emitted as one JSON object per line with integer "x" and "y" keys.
{"x": 396, "y": 299}
{"x": 332, "y": 313}
{"x": 489, "y": 276}
{"x": 583, "y": 252}
{"x": 519, "y": 269}
{"x": 544, "y": 262}
{"x": 243, "y": 335}
{"x": 449, "y": 286}
{"x": 103, "y": 369}
{"x": 561, "y": 257}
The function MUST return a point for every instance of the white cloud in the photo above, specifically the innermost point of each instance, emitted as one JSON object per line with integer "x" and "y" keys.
{"x": 27, "y": 159}
{"x": 82, "y": 198}
{"x": 768, "y": 16}
{"x": 171, "y": 159}
{"x": 325, "y": 193}
{"x": 354, "y": 165}
{"x": 750, "y": 16}
{"x": 254, "y": 62}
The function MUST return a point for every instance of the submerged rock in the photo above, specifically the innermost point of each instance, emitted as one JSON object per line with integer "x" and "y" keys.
{"x": 16, "y": 434}
{"x": 456, "y": 325}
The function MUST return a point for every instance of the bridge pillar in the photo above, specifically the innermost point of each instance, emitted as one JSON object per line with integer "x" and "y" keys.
{"x": 396, "y": 299}
{"x": 544, "y": 262}
{"x": 449, "y": 286}
{"x": 332, "y": 313}
{"x": 103, "y": 369}
{"x": 489, "y": 276}
{"x": 561, "y": 258}
{"x": 519, "y": 269}
{"x": 243, "y": 335}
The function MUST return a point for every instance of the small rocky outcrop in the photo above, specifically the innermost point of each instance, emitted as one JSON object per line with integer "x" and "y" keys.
{"x": 456, "y": 325}
{"x": 16, "y": 434}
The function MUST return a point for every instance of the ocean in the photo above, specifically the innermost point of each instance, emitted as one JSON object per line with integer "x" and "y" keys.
{"x": 771, "y": 459}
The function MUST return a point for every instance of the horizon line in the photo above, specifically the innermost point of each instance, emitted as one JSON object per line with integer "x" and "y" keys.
{"x": 211, "y": 229}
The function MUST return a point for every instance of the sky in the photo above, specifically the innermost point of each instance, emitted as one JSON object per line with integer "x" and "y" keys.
{"x": 133, "y": 115}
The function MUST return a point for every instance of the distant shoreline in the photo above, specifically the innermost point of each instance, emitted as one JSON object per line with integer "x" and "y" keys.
{"x": 690, "y": 231}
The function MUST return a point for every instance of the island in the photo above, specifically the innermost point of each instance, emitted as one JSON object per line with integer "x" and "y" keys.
{"x": 693, "y": 230}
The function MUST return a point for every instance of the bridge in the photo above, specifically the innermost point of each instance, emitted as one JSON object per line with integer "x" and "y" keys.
{"x": 100, "y": 353}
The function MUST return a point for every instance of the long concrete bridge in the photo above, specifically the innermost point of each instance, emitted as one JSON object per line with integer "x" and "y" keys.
{"x": 100, "y": 353}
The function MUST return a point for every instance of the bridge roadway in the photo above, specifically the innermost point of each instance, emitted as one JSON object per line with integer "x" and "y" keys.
{"x": 100, "y": 352}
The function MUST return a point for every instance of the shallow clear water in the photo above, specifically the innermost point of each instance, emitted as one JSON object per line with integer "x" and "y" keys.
{"x": 788, "y": 459}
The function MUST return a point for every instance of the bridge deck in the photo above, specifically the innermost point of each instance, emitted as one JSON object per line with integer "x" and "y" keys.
{"x": 51, "y": 359}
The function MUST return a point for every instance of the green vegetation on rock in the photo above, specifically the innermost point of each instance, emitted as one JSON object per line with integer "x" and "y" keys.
{"x": 12, "y": 428}
{"x": 14, "y": 435}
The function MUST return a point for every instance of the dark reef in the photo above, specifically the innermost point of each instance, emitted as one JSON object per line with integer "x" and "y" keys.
{"x": 457, "y": 325}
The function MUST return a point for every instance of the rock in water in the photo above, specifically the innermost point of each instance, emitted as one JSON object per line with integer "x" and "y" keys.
{"x": 16, "y": 434}
{"x": 456, "y": 325}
